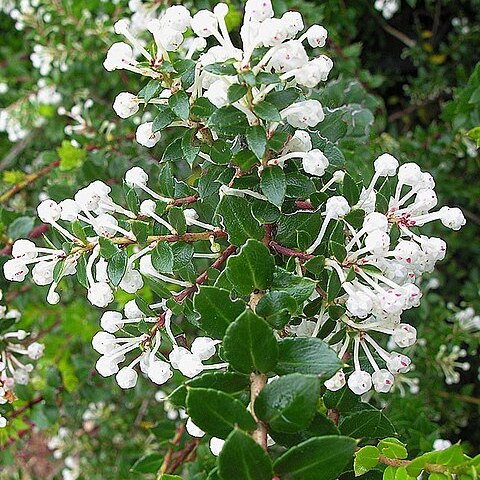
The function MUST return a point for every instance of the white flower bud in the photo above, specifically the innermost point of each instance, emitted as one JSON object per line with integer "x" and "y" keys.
{"x": 204, "y": 347}
{"x": 409, "y": 174}
{"x": 69, "y": 210}
{"x": 131, "y": 310}
{"x": 404, "y": 335}
{"x": 145, "y": 135}
{"x": 176, "y": 17}
{"x": 337, "y": 207}
{"x": 35, "y": 350}
{"x": 126, "y": 104}
{"x": 360, "y": 382}
{"x": 106, "y": 366}
{"x": 204, "y": 23}
{"x": 293, "y": 22}
{"x": 398, "y": 363}
{"x": 147, "y": 207}
{"x": 190, "y": 215}
{"x": 375, "y": 221}
{"x": 3, "y": 422}
{"x": 42, "y": 273}
{"x": 111, "y": 321}
{"x": 336, "y": 382}
{"x": 382, "y": 381}
{"x": 377, "y": 242}
{"x": 359, "y": 304}
{"x": 159, "y": 372}
{"x": 300, "y": 142}
{"x": 15, "y": 270}
{"x": 126, "y": 377}
{"x": 132, "y": 281}
{"x": 315, "y": 162}
{"x": 289, "y": 56}
{"x": 118, "y": 55}
{"x": 259, "y": 10}
{"x": 23, "y": 248}
{"x": 273, "y": 32}
{"x": 100, "y": 294}
{"x": 308, "y": 113}
{"x": 135, "y": 177}
{"x": 105, "y": 224}
{"x": 21, "y": 376}
{"x": 193, "y": 430}
{"x": 441, "y": 444}
{"x": 452, "y": 218}
{"x": 316, "y": 36}
{"x": 49, "y": 211}
{"x": 170, "y": 38}
{"x": 386, "y": 165}
{"x": 103, "y": 342}
{"x": 217, "y": 93}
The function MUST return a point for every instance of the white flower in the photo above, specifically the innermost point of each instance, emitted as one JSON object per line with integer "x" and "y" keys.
{"x": 293, "y": 22}
{"x": 382, "y": 381}
{"x": 106, "y": 366}
{"x": 452, "y": 218}
{"x": 176, "y": 17}
{"x": 204, "y": 347}
{"x": 398, "y": 363}
{"x": 3, "y": 421}
{"x": 23, "y": 248}
{"x": 159, "y": 371}
{"x": 126, "y": 104}
{"x": 336, "y": 382}
{"x": 49, "y": 211}
{"x": 259, "y": 10}
{"x": 216, "y": 445}
{"x": 204, "y": 23}
{"x": 308, "y": 113}
{"x": 69, "y": 210}
{"x": 100, "y": 294}
{"x": 217, "y": 93}
{"x": 336, "y": 207}
{"x": 300, "y": 142}
{"x": 126, "y": 377}
{"x": 404, "y": 335}
{"x": 441, "y": 444}
{"x": 35, "y": 350}
{"x": 193, "y": 430}
{"x": 118, "y": 55}
{"x": 103, "y": 342}
{"x": 136, "y": 177}
{"x": 131, "y": 310}
{"x": 316, "y": 36}
{"x": 315, "y": 162}
{"x": 132, "y": 281}
{"x": 386, "y": 165}
{"x": 15, "y": 270}
{"x": 145, "y": 135}
{"x": 359, "y": 304}
{"x": 273, "y": 32}
{"x": 111, "y": 321}
{"x": 360, "y": 382}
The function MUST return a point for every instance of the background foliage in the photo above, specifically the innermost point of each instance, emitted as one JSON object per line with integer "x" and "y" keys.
{"x": 416, "y": 76}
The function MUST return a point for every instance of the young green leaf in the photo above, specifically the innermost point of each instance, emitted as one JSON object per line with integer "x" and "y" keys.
{"x": 365, "y": 459}
{"x": 179, "y": 104}
{"x": 273, "y": 184}
{"x": 257, "y": 140}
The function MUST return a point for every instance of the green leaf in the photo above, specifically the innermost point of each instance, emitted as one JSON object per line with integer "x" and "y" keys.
{"x": 371, "y": 423}
{"x": 164, "y": 118}
{"x": 273, "y": 184}
{"x": 238, "y": 220}
{"x": 189, "y": 149}
{"x": 257, "y": 140}
{"x": 365, "y": 459}
{"x": 217, "y": 311}
{"x": 180, "y": 104}
{"x": 220, "y": 152}
{"x": 202, "y": 108}
{"x": 221, "y": 68}
{"x": 252, "y": 269}
{"x": 176, "y": 218}
{"x": 300, "y": 288}
{"x": 170, "y": 477}
{"x": 162, "y": 258}
{"x": 276, "y": 307}
{"x": 288, "y": 404}
{"x": 283, "y": 98}
{"x": 242, "y": 458}
{"x": 228, "y": 121}
{"x": 82, "y": 272}
{"x": 148, "y": 463}
{"x": 20, "y": 228}
{"x": 245, "y": 159}
{"x": 107, "y": 248}
{"x": 150, "y": 90}
{"x": 117, "y": 266}
{"x": 264, "y": 78}
{"x": 310, "y": 356}
{"x": 321, "y": 458}
{"x": 267, "y": 111}
{"x": 70, "y": 156}
{"x": 350, "y": 189}
{"x": 392, "y": 448}
{"x": 250, "y": 345}
{"x": 217, "y": 413}
{"x": 235, "y": 92}
{"x": 79, "y": 232}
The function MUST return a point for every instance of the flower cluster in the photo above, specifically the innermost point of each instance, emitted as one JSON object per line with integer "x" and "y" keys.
{"x": 12, "y": 370}
{"x": 114, "y": 349}
{"x": 283, "y": 56}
